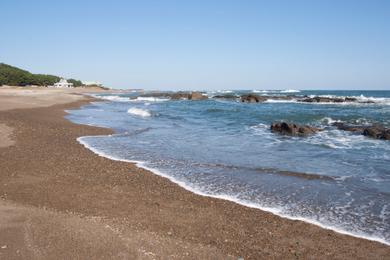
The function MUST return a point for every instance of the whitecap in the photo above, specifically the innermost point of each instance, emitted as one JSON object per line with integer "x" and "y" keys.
{"x": 225, "y": 91}
{"x": 114, "y": 98}
{"x": 260, "y": 91}
{"x": 280, "y": 101}
{"x": 290, "y": 91}
{"x": 139, "y": 112}
{"x": 150, "y": 99}
{"x": 329, "y": 120}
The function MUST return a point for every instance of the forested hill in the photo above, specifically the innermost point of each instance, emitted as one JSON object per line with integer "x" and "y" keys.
{"x": 14, "y": 76}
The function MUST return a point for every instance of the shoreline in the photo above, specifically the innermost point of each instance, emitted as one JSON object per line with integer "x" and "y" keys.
{"x": 139, "y": 200}
{"x": 141, "y": 164}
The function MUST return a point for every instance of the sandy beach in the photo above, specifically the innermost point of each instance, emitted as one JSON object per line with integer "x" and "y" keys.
{"x": 59, "y": 200}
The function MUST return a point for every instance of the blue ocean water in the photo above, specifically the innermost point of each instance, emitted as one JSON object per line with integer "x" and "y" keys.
{"x": 224, "y": 148}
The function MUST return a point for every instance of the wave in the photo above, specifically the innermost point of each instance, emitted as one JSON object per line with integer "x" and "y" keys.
{"x": 281, "y": 101}
{"x": 139, "y": 112}
{"x": 290, "y": 91}
{"x": 113, "y": 98}
{"x": 276, "y": 91}
{"x": 225, "y": 91}
{"x": 329, "y": 121}
{"x": 231, "y": 197}
{"x": 378, "y": 100}
{"x": 260, "y": 91}
{"x": 150, "y": 99}
{"x": 360, "y": 100}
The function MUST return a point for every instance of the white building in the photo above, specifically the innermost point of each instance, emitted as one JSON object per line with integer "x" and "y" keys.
{"x": 63, "y": 83}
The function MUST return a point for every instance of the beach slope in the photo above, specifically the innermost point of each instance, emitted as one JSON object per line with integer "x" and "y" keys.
{"x": 61, "y": 201}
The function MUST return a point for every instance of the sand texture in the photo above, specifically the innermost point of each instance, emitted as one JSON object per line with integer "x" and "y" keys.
{"x": 61, "y": 201}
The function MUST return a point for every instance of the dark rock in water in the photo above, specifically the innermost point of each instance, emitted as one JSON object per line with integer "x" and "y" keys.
{"x": 318, "y": 99}
{"x": 350, "y": 99}
{"x": 377, "y": 132}
{"x": 293, "y": 129}
{"x": 252, "y": 98}
{"x": 285, "y": 97}
{"x": 225, "y": 96}
{"x": 157, "y": 95}
{"x": 180, "y": 95}
{"x": 350, "y": 128}
{"x": 186, "y": 95}
{"x": 323, "y": 100}
{"x": 197, "y": 96}
{"x": 374, "y": 131}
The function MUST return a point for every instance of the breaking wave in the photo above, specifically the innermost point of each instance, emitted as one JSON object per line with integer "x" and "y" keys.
{"x": 139, "y": 112}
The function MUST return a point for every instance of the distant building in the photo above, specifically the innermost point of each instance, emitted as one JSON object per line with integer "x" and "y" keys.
{"x": 92, "y": 83}
{"x": 63, "y": 83}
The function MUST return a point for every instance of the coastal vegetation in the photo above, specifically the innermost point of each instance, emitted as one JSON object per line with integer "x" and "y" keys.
{"x": 13, "y": 76}
{"x": 76, "y": 83}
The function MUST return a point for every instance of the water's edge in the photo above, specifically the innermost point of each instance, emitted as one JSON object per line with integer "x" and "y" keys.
{"x": 276, "y": 212}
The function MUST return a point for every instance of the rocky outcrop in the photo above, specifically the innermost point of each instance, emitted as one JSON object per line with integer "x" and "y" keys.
{"x": 157, "y": 95}
{"x": 350, "y": 128}
{"x": 318, "y": 99}
{"x": 377, "y": 132}
{"x": 323, "y": 100}
{"x": 373, "y": 131}
{"x": 197, "y": 96}
{"x": 225, "y": 97}
{"x": 252, "y": 98}
{"x": 180, "y": 95}
{"x": 293, "y": 129}
{"x": 177, "y": 95}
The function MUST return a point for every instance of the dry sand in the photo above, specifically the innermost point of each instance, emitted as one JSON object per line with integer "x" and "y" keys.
{"x": 61, "y": 201}
{"x": 5, "y": 136}
{"x": 30, "y": 97}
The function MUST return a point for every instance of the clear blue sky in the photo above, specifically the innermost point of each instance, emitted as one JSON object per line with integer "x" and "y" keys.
{"x": 198, "y": 44}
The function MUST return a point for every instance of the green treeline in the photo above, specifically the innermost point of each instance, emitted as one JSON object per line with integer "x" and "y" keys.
{"x": 13, "y": 76}
{"x": 76, "y": 83}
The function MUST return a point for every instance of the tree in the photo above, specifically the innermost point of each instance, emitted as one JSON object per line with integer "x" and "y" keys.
{"x": 76, "y": 83}
{"x": 13, "y": 76}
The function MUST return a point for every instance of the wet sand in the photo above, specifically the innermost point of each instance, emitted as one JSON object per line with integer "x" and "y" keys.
{"x": 61, "y": 201}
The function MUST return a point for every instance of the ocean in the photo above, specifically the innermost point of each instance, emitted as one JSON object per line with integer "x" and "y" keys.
{"x": 224, "y": 148}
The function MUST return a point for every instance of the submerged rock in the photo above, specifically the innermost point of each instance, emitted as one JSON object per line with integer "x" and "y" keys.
{"x": 350, "y": 128}
{"x": 323, "y": 100}
{"x": 252, "y": 98}
{"x": 157, "y": 95}
{"x": 373, "y": 131}
{"x": 319, "y": 99}
{"x": 225, "y": 96}
{"x": 293, "y": 129}
{"x": 177, "y": 95}
{"x": 377, "y": 132}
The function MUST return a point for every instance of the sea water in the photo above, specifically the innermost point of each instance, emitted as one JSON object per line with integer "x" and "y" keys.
{"x": 225, "y": 149}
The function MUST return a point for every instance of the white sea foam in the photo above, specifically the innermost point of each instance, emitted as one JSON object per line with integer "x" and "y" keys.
{"x": 382, "y": 101}
{"x": 290, "y": 91}
{"x": 360, "y": 100}
{"x": 276, "y": 91}
{"x": 139, "y": 112}
{"x": 233, "y": 198}
{"x": 329, "y": 120}
{"x": 225, "y": 91}
{"x": 150, "y": 99}
{"x": 113, "y": 98}
{"x": 260, "y": 91}
{"x": 280, "y": 101}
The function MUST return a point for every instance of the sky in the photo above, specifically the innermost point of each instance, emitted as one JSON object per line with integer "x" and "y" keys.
{"x": 202, "y": 45}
